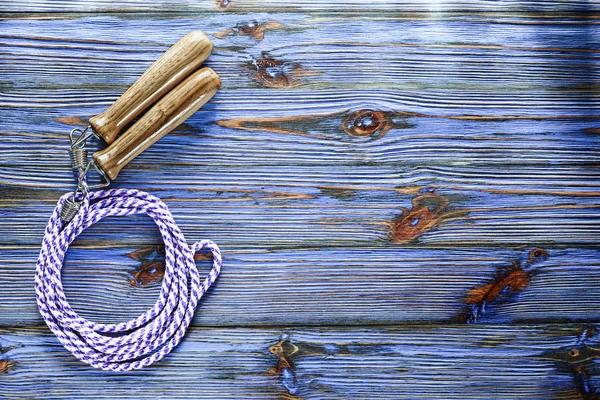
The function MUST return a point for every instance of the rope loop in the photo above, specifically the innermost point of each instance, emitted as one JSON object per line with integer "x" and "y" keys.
{"x": 151, "y": 336}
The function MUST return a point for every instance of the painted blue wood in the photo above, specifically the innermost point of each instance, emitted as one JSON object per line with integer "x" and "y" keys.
{"x": 362, "y": 7}
{"x": 341, "y": 286}
{"x": 449, "y": 362}
{"x": 319, "y": 169}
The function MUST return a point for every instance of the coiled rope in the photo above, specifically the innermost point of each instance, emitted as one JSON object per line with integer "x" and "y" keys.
{"x": 147, "y": 338}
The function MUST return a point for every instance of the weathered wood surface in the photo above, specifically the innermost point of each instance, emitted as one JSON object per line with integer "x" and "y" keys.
{"x": 410, "y": 362}
{"x": 281, "y": 209}
{"x": 358, "y": 6}
{"x": 411, "y": 165}
{"x": 340, "y": 286}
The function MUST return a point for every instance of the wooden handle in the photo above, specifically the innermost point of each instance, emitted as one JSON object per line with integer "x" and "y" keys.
{"x": 170, "y": 111}
{"x": 170, "y": 69}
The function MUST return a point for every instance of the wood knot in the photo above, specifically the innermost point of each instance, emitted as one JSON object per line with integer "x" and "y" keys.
{"x": 513, "y": 279}
{"x": 285, "y": 350}
{"x": 152, "y": 265}
{"x": 252, "y": 29}
{"x": 223, "y": 5}
{"x": 368, "y": 123}
{"x": 426, "y": 213}
{"x": 273, "y": 73}
{"x": 574, "y": 353}
{"x": 585, "y": 332}
{"x": 579, "y": 361}
{"x": 280, "y": 74}
{"x": 536, "y": 255}
{"x": 71, "y": 121}
{"x": 6, "y": 366}
{"x": 148, "y": 274}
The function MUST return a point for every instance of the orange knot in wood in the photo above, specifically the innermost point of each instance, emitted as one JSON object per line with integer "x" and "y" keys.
{"x": 368, "y": 123}
{"x": 537, "y": 254}
{"x": 223, "y": 4}
{"x": 274, "y": 73}
{"x": 426, "y": 213}
{"x": 513, "y": 278}
{"x": 285, "y": 350}
{"x": 152, "y": 265}
{"x": 6, "y": 366}
{"x": 252, "y": 29}
{"x": 149, "y": 273}
{"x": 507, "y": 280}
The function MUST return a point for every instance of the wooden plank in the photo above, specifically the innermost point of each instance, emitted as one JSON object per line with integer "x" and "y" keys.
{"x": 413, "y": 362}
{"x": 306, "y": 206}
{"x": 359, "y": 7}
{"x": 351, "y": 195}
{"x": 409, "y": 141}
{"x": 464, "y": 53}
{"x": 469, "y": 105}
{"x": 329, "y": 286}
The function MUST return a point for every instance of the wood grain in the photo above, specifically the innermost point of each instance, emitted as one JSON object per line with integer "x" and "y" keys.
{"x": 269, "y": 208}
{"x": 359, "y": 7}
{"x": 339, "y": 286}
{"x": 424, "y": 362}
{"x": 406, "y": 191}
{"x": 412, "y": 142}
{"x": 466, "y": 53}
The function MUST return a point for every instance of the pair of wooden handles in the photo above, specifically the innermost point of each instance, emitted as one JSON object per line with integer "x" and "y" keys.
{"x": 171, "y": 90}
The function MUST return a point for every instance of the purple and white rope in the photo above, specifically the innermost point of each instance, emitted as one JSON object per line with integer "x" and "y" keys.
{"x": 152, "y": 335}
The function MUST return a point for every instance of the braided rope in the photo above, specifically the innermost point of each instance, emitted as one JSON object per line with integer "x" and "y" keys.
{"x": 152, "y": 335}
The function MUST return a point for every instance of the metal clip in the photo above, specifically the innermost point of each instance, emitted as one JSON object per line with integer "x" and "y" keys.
{"x": 106, "y": 182}
{"x": 82, "y": 138}
{"x": 79, "y": 156}
{"x": 79, "y": 161}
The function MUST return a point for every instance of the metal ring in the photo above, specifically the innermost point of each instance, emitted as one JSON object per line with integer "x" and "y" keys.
{"x": 82, "y": 138}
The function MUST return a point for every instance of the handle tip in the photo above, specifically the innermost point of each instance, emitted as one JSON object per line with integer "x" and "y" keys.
{"x": 198, "y": 36}
{"x": 104, "y": 127}
{"x": 213, "y": 76}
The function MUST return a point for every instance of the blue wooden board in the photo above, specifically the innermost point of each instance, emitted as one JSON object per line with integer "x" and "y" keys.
{"x": 371, "y": 170}
{"x": 403, "y": 362}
